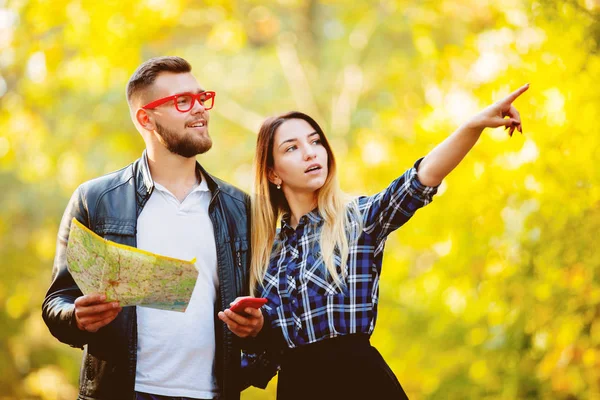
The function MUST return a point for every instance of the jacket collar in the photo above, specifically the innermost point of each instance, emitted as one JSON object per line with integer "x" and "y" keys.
{"x": 144, "y": 176}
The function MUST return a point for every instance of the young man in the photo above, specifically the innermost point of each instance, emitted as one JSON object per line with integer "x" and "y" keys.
{"x": 166, "y": 203}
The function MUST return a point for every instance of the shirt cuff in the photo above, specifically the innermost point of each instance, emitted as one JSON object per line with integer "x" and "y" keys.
{"x": 261, "y": 341}
{"x": 417, "y": 188}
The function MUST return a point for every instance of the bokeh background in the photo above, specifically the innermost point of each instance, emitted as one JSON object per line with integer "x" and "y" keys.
{"x": 491, "y": 292}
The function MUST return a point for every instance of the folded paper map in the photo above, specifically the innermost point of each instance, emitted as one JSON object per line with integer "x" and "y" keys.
{"x": 126, "y": 274}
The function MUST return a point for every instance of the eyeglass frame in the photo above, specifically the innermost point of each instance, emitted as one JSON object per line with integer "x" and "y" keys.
{"x": 195, "y": 97}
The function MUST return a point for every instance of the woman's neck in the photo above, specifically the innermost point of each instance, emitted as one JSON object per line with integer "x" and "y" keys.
{"x": 300, "y": 204}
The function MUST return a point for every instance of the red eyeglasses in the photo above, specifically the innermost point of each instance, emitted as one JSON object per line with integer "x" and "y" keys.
{"x": 184, "y": 102}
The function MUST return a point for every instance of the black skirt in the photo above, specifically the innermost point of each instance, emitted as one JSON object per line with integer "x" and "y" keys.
{"x": 345, "y": 367}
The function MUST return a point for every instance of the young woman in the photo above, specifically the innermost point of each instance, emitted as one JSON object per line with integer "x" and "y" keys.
{"x": 320, "y": 272}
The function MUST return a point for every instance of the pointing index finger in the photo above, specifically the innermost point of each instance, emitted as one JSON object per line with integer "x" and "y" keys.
{"x": 514, "y": 95}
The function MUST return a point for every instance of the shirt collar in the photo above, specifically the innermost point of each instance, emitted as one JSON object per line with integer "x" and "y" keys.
{"x": 202, "y": 187}
{"x": 145, "y": 183}
{"x": 313, "y": 218}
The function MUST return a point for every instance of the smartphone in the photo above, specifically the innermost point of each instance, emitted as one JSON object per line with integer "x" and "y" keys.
{"x": 242, "y": 303}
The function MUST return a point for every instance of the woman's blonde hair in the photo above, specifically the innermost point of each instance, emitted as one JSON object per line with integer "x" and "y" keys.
{"x": 341, "y": 217}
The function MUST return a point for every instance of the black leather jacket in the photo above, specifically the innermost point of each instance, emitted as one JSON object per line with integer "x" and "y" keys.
{"x": 109, "y": 206}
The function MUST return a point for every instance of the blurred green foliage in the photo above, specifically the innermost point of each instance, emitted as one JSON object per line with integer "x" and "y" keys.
{"x": 491, "y": 292}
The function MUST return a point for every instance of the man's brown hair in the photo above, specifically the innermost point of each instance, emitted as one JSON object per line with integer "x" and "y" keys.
{"x": 146, "y": 74}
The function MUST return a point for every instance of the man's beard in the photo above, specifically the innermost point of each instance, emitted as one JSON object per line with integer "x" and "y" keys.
{"x": 187, "y": 145}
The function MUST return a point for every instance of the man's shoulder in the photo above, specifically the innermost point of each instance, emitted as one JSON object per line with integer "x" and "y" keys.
{"x": 96, "y": 187}
{"x": 231, "y": 191}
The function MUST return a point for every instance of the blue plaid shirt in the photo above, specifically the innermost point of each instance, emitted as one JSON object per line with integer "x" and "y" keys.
{"x": 304, "y": 304}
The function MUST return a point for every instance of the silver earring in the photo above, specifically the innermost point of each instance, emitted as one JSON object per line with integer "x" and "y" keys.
{"x": 279, "y": 186}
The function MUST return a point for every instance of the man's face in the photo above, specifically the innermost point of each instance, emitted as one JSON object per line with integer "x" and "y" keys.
{"x": 182, "y": 133}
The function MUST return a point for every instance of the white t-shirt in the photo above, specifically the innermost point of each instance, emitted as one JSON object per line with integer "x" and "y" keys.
{"x": 175, "y": 350}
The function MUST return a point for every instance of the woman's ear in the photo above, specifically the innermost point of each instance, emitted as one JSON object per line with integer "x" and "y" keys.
{"x": 144, "y": 119}
{"x": 273, "y": 178}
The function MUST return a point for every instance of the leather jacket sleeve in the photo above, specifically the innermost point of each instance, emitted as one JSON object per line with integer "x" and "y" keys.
{"x": 260, "y": 358}
{"x": 58, "y": 308}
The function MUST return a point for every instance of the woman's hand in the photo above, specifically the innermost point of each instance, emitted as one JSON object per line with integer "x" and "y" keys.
{"x": 448, "y": 154}
{"x": 496, "y": 114}
{"x": 248, "y": 325}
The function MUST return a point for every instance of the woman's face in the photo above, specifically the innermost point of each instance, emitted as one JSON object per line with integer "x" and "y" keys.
{"x": 299, "y": 158}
